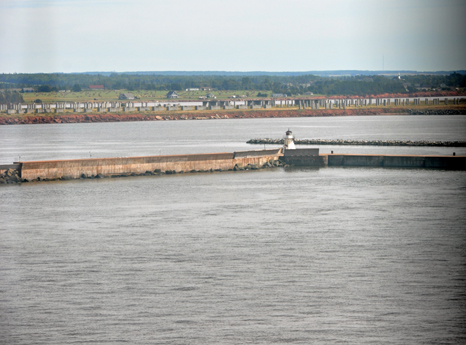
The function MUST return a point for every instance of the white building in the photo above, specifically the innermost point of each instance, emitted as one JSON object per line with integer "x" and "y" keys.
{"x": 289, "y": 141}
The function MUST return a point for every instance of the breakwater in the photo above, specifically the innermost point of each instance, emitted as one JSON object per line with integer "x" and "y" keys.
{"x": 302, "y": 157}
{"x": 348, "y": 142}
{"x": 33, "y": 171}
{"x": 398, "y": 161}
{"x": 136, "y": 166}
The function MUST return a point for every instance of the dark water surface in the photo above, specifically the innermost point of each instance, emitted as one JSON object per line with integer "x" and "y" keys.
{"x": 284, "y": 256}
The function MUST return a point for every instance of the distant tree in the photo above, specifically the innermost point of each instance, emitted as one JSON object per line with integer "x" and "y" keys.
{"x": 11, "y": 97}
{"x": 246, "y": 83}
{"x": 266, "y": 85}
{"x": 176, "y": 86}
{"x": 76, "y": 88}
{"x": 38, "y": 101}
{"x": 44, "y": 88}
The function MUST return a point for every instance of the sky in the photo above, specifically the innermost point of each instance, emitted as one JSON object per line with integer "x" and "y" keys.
{"x": 45, "y": 36}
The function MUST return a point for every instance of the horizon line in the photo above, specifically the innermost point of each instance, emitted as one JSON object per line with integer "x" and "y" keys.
{"x": 233, "y": 71}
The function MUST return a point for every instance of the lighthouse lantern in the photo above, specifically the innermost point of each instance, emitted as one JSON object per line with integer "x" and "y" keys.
{"x": 289, "y": 141}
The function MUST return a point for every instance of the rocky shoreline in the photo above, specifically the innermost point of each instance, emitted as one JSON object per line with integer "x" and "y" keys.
{"x": 347, "y": 142}
{"x": 437, "y": 112}
{"x": 223, "y": 114}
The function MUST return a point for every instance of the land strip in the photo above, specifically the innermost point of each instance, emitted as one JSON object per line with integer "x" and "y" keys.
{"x": 275, "y": 112}
{"x": 160, "y": 96}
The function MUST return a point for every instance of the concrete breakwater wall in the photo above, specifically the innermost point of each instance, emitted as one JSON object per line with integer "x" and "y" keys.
{"x": 387, "y": 161}
{"x": 127, "y": 166}
{"x": 398, "y": 161}
{"x": 246, "y": 160}
{"x": 342, "y": 142}
{"x": 311, "y": 157}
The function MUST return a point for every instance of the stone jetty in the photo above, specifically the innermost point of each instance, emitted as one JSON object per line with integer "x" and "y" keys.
{"x": 10, "y": 176}
{"x": 348, "y": 142}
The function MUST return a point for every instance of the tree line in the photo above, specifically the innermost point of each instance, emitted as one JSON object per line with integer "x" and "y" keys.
{"x": 453, "y": 80}
{"x": 291, "y": 85}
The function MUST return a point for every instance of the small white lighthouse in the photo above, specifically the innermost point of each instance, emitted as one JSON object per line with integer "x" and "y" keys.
{"x": 289, "y": 141}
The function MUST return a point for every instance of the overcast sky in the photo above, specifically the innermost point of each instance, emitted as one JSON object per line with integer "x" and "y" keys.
{"x": 231, "y": 35}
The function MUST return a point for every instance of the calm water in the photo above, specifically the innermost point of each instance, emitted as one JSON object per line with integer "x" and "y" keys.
{"x": 285, "y": 256}
{"x": 62, "y": 141}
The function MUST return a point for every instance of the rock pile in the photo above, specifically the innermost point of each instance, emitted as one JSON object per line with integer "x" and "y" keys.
{"x": 437, "y": 112}
{"x": 10, "y": 176}
{"x": 343, "y": 142}
{"x": 270, "y": 164}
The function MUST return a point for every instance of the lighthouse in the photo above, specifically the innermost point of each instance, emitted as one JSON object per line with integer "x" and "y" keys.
{"x": 289, "y": 140}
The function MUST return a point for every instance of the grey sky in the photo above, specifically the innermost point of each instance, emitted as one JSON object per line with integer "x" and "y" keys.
{"x": 239, "y": 35}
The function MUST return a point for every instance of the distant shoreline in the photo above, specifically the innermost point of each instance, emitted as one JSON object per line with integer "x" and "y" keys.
{"x": 17, "y": 119}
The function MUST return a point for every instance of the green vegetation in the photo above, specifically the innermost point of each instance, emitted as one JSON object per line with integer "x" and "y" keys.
{"x": 150, "y": 86}
{"x": 112, "y": 95}
{"x": 10, "y": 97}
{"x": 441, "y": 82}
{"x": 46, "y": 88}
{"x": 358, "y": 86}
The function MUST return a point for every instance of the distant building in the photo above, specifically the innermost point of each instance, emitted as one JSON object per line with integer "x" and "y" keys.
{"x": 193, "y": 89}
{"x": 127, "y": 95}
{"x": 210, "y": 95}
{"x": 28, "y": 89}
{"x": 172, "y": 94}
{"x": 96, "y": 87}
{"x": 308, "y": 93}
{"x": 206, "y": 88}
{"x": 279, "y": 95}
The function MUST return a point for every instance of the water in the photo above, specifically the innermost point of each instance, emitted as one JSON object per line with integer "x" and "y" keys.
{"x": 64, "y": 141}
{"x": 284, "y": 256}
